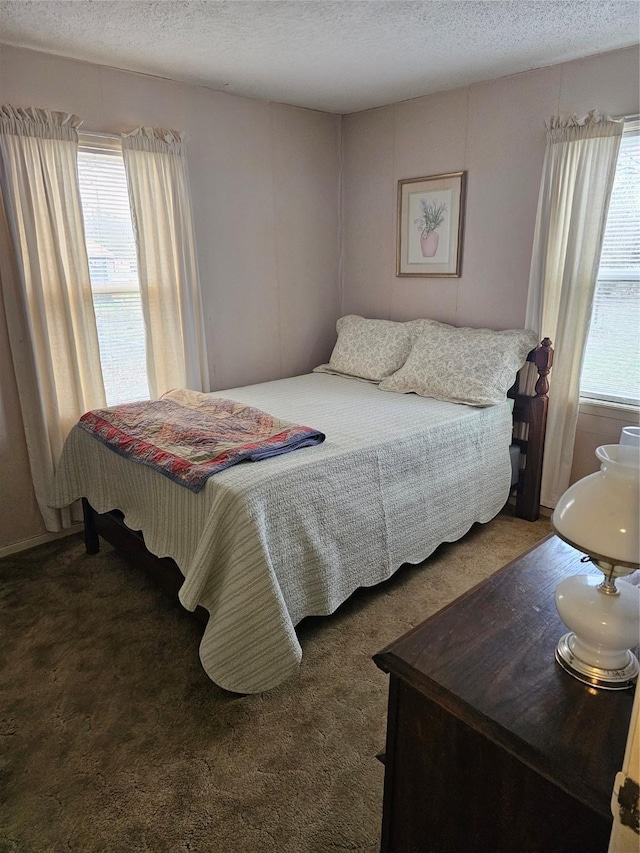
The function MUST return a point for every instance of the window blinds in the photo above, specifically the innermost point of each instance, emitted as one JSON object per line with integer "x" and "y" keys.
{"x": 611, "y": 369}
{"x": 113, "y": 267}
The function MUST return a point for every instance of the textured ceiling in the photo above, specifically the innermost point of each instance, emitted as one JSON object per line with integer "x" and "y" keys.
{"x": 335, "y": 56}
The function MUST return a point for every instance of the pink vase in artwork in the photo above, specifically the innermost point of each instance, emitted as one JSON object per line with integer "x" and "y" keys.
{"x": 429, "y": 244}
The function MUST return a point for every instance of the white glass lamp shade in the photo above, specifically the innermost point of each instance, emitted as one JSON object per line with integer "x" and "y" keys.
{"x": 630, "y": 435}
{"x": 599, "y": 515}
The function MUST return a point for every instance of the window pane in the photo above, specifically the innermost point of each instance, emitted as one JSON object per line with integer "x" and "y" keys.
{"x": 621, "y": 244}
{"x": 611, "y": 369}
{"x": 122, "y": 346}
{"x": 114, "y": 275}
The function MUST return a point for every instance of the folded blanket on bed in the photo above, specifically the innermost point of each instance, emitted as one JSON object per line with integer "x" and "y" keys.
{"x": 188, "y": 436}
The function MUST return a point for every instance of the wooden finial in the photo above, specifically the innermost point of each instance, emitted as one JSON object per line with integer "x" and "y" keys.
{"x": 544, "y": 361}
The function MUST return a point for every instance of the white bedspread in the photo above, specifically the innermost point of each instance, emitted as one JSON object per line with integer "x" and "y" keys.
{"x": 265, "y": 544}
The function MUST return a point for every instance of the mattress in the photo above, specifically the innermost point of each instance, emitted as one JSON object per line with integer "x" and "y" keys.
{"x": 265, "y": 544}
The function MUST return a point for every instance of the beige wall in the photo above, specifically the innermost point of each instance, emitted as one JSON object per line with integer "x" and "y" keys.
{"x": 265, "y": 181}
{"x": 494, "y": 131}
{"x": 597, "y": 425}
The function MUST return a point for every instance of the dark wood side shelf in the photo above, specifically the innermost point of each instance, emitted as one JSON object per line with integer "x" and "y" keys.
{"x": 490, "y": 745}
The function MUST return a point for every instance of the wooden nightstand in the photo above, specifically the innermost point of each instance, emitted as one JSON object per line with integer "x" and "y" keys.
{"x": 491, "y": 746}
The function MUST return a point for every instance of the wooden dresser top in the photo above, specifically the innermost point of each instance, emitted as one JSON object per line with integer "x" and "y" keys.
{"x": 488, "y": 659}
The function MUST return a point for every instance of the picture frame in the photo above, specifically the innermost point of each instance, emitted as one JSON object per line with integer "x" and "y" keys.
{"x": 430, "y": 226}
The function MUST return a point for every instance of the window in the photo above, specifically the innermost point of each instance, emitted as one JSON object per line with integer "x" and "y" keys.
{"x": 113, "y": 268}
{"x": 611, "y": 369}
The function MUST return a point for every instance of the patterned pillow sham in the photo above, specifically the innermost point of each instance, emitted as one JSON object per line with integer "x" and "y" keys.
{"x": 372, "y": 349}
{"x": 463, "y": 365}
{"x": 326, "y": 368}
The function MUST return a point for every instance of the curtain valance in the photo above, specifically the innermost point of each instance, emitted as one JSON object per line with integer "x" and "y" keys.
{"x": 155, "y": 140}
{"x": 592, "y": 126}
{"x": 44, "y": 124}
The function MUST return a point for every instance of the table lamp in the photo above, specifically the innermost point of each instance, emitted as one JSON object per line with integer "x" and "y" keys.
{"x": 599, "y": 515}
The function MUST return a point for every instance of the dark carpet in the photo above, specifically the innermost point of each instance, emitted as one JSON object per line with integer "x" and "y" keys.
{"x": 112, "y": 738}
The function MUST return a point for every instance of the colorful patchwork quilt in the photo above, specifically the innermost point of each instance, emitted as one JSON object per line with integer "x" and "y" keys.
{"x": 188, "y": 436}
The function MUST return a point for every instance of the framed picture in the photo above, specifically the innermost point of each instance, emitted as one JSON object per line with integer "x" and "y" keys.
{"x": 430, "y": 222}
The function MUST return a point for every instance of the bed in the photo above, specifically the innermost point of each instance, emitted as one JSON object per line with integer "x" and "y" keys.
{"x": 264, "y": 545}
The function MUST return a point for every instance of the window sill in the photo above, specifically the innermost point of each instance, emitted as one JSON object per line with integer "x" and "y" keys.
{"x": 615, "y": 411}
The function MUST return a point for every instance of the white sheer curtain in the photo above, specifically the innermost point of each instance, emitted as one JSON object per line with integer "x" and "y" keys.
{"x": 578, "y": 173}
{"x": 44, "y": 275}
{"x": 160, "y": 198}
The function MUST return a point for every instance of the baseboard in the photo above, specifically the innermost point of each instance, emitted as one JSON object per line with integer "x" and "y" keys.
{"x": 25, "y": 544}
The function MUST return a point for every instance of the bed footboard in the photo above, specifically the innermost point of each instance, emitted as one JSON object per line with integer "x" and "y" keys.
{"x": 530, "y": 421}
{"x": 91, "y": 538}
{"x": 111, "y": 526}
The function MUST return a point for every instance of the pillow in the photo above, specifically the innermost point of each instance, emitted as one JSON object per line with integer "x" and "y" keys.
{"x": 326, "y": 368}
{"x": 371, "y": 349}
{"x": 471, "y": 366}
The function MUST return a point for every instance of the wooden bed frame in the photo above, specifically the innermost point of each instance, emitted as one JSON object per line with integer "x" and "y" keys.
{"x": 529, "y": 410}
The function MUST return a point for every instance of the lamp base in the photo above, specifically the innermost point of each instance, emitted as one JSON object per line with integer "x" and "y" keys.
{"x": 606, "y": 679}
